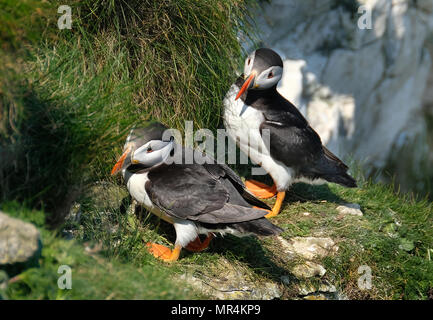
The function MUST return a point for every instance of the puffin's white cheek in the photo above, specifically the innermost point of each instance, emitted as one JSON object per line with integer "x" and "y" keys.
{"x": 273, "y": 81}
{"x": 148, "y": 159}
{"x": 248, "y": 67}
{"x": 266, "y": 83}
{"x": 152, "y": 158}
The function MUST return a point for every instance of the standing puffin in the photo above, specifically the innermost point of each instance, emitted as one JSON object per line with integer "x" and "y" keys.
{"x": 196, "y": 199}
{"x": 296, "y": 153}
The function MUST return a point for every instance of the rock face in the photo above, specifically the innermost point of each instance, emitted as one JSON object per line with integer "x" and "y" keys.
{"x": 232, "y": 283}
{"x": 19, "y": 241}
{"x": 309, "y": 247}
{"x": 353, "y": 209}
{"x": 307, "y": 252}
{"x": 361, "y": 89}
{"x": 308, "y": 269}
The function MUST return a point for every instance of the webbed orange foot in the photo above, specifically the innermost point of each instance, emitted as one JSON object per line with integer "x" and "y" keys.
{"x": 197, "y": 245}
{"x": 162, "y": 252}
{"x": 277, "y": 206}
{"x": 260, "y": 190}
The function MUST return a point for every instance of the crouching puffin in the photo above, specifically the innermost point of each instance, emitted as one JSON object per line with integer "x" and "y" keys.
{"x": 296, "y": 153}
{"x": 197, "y": 199}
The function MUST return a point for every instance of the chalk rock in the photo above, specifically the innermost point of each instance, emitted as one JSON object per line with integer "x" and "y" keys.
{"x": 305, "y": 289}
{"x": 353, "y": 209}
{"x": 19, "y": 240}
{"x": 325, "y": 291}
{"x": 308, "y": 269}
{"x": 309, "y": 247}
{"x": 229, "y": 282}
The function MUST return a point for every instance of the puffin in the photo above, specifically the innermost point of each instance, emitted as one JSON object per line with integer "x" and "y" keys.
{"x": 274, "y": 133}
{"x": 197, "y": 199}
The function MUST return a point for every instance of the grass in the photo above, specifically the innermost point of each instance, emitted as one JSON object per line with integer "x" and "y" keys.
{"x": 67, "y": 98}
{"x": 392, "y": 238}
{"x": 399, "y": 260}
{"x": 94, "y": 276}
{"x": 71, "y": 95}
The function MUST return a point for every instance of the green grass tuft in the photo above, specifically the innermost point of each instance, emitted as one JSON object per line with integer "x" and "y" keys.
{"x": 94, "y": 276}
{"x": 69, "y": 100}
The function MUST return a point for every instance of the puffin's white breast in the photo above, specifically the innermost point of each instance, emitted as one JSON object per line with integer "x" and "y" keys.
{"x": 245, "y": 128}
{"x": 136, "y": 187}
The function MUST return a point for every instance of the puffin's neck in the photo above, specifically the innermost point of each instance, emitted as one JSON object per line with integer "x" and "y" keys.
{"x": 253, "y": 96}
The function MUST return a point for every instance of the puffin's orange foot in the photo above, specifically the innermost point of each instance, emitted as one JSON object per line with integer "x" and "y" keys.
{"x": 162, "y": 252}
{"x": 260, "y": 190}
{"x": 277, "y": 206}
{"x": 197, "y": 245}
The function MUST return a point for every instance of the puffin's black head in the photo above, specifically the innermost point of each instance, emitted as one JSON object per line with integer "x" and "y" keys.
{"x": 147, "y": 146}
{"x": 263, "y": 69}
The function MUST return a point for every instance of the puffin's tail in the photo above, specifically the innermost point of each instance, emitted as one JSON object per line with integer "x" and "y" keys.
{"x": 260, "y": 227}
{"x": 341, "y": 176}
{"x": 343, "y": 179}
{"x": 332, "y": 169}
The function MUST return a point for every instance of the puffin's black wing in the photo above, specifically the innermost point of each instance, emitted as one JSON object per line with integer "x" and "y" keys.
{"x": 296, "y": 144}
{"x": 292, "y": 145}
{"x": 231, "y": 179}
{"x": 198, "y": 192}
{"x": 293, "y": 141}
{"x": 221, "y": 170}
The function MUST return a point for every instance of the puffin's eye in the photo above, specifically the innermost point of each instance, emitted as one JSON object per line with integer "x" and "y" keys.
{"x": 270, "y": 75}
{"x": 249, "y": 60}
{"x": 149, "y": 149}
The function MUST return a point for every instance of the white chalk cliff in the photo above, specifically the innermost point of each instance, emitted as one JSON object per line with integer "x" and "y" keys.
{"x": 362, "y": 89}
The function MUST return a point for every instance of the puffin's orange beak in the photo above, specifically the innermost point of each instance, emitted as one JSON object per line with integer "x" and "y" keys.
{"x": 119, "y": 164}
{"x": 246, "y": 85}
